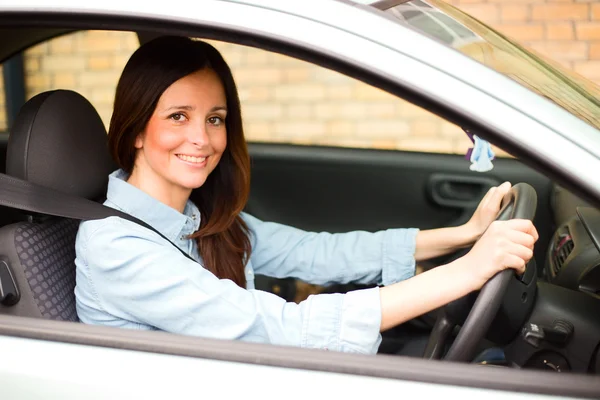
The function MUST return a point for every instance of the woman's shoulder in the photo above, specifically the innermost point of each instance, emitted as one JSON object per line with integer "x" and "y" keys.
{"x": 97, "y": 233}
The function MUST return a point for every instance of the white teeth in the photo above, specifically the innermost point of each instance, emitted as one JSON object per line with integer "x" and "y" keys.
{"x": 191, "y": 159}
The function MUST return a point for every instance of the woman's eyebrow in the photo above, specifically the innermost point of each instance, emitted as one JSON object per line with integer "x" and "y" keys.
{"x": 192, "y": 108}
{"x": 186, "y": 108}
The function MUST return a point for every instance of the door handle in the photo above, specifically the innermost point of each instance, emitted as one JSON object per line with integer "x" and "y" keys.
{"x": 459, "y": 191}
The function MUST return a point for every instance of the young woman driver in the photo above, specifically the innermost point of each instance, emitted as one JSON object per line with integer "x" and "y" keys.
{"x": 177, "y": 127}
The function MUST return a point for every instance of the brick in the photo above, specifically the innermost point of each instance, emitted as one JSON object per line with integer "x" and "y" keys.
{"x": 323, "y": 75}
{"x": 254, "y": 94}
{"x": 99, "y": 63}
{"x": 384, "y": 144}
{"x": 514, "y": 12}
{"x": 326, "y": 110}
{"x": 429, "y": 145}
{"x": 562, "y": 50}
{"x": 340, "y": 92}
{"x": 523, "y": 32}
{"x": 381, "y": 109}
{"x": 119, "y": 60}
{"x": 341, "y": 128}
{"x": 39, "y": 49}
{"x": 483, "y": 12}
{"x": 450, "y": 130}
{"x": 559, "y": 12}
{"x": 425, "y": 127}
{"x": 64, "y": 80}
{"x": 383, "y": 129}
{"x": 258, "y": 76}
{"x": 62, "y": 45}
{"x": 299, "y": 129}
{"x": 61, "y": 63}
{"x": 258, "y": 131}
{"x": 91, "y": 79}
{"x": 104, "y": 96}
{"x": 92, "y": 44}
{"x": 589, "y": 69}
{"x": 516, "y": 1}
{"x": 596, "y": 12}
{"x": 32, "y": 64}
{"x": 38, "y": 81}
{"x": 298, "y": 111}
{"x": 560, "y": 31}
{"x": 129, "y": 41}
{"x": 595, "y": 51}
{"x": 295, "y": 75}
{"x": 264, "y": 111}
{"x": 587, "y": 30}
{"x": 310, "y": 92}
{"x": 256, "y": 57}
{"x": 458, "y": 3}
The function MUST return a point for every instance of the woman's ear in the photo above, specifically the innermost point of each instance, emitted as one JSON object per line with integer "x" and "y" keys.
{"x": 139, "y": 141}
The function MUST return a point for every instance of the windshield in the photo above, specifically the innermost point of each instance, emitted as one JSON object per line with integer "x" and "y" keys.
{"x": 478, "y": 41}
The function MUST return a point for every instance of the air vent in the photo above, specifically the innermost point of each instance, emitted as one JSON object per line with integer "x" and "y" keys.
{"x": 562, "y": 247}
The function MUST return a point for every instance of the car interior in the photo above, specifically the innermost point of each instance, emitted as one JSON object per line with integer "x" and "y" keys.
{"x": 554, "y": 327}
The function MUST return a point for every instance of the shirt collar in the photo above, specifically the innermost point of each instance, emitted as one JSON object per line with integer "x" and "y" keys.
{"x": 167, "y": 220}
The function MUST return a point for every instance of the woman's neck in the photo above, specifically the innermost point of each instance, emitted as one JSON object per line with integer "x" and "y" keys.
{"x": 173, "y": 196}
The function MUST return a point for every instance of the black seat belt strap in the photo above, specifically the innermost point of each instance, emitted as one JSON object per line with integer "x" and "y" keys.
{"x": 24, "y": 195}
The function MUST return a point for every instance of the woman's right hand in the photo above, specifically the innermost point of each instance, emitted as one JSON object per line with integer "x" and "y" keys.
{"x": 505, "y": 244}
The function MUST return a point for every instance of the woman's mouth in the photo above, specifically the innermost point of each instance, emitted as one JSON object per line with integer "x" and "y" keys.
{"x": 191, "y": 159}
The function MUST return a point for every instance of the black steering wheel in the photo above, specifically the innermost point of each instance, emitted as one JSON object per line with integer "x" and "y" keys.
{"x": 519, "y": 203}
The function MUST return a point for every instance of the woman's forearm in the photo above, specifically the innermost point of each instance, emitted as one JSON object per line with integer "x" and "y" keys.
{"x": 437, "y": 242}
{"x": 505, "y": 244}
{"x": 448, "y": 282}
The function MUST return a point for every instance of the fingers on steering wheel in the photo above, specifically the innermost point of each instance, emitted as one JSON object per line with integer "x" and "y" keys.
{"x": 524, "y": 226}
{"x": 515, "y": 262}
{"x": 522, "y": 238}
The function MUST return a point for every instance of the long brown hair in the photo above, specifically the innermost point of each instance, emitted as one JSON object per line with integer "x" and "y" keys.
{"x": 223, "y": 240}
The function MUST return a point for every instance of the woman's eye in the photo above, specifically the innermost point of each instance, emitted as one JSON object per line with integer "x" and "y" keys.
{"x": 216, "y": 121}
{"x": 177, "y": 117}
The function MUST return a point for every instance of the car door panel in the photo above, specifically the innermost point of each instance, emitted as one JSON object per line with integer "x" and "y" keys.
{"x": 341, "y": 189}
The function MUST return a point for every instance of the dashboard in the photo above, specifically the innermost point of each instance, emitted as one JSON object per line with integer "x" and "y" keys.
{"x": 573, "y": 258}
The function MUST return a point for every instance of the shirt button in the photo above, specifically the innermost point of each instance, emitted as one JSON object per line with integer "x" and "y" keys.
{"x": 194, "y": 217}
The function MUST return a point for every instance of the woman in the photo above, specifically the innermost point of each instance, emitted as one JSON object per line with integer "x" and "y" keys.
{"x": 176, "y": 127}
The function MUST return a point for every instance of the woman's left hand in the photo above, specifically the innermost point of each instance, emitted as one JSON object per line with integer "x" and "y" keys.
{"x": 487, "y": 210}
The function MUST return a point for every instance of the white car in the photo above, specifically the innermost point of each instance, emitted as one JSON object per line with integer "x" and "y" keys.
{"x": 546, "y": 324}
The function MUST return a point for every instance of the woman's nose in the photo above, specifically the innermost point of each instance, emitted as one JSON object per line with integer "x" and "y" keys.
{"x": 198, "y": 135}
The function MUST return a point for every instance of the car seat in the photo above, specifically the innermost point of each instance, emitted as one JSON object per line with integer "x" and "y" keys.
{"x": 59, "y": 141}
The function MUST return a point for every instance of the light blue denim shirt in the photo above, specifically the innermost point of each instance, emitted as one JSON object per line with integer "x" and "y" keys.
{"x": 130, "y": 277}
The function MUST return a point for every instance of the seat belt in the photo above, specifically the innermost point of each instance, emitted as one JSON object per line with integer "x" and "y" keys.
{"x": 24, "y": 195}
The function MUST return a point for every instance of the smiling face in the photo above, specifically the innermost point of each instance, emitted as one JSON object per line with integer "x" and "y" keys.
{"x": 184, "y": 139}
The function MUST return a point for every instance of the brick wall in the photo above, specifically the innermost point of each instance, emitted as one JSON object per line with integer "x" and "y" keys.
{"x": 287, "y": 100}
{"x": 567, "y": 31}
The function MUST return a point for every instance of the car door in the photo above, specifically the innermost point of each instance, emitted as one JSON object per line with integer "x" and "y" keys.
{"x": 330, "y": 153}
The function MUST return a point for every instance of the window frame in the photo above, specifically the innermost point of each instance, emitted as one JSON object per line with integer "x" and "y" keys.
{"x": 388, "y": 367}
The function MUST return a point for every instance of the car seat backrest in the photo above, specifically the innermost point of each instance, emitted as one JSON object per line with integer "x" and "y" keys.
{"x": 59, "y": 141}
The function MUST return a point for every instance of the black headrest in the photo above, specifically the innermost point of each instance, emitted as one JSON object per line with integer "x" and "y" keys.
{"x": 58, "y": 140}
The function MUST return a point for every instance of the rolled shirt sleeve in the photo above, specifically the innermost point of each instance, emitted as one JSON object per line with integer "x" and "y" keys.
{"x": 323, "y": 258}
{"x": 126, "y": 273}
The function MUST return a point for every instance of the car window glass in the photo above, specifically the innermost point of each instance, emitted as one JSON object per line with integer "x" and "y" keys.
{"x": 88, "y": 62}
{"x": 285, "y": 100}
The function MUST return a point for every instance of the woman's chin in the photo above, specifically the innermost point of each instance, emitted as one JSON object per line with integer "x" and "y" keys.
{"x": 192, "y": 184}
